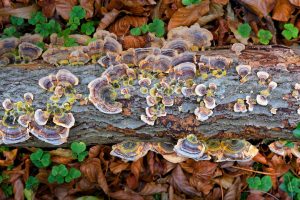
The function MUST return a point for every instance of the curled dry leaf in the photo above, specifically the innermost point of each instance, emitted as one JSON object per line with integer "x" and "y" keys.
{"x": 118, "y": 166}
{"x": 62, "y": 7}
{"x": 131, "y": 41}
{"x": 187, "y": 16}
{"x": 234, "y": 191}
{"x": 92, "y": 171}
{"x": 295, "y": 2}
{"x": 122, "y": 25}
{"x": 125, "y": 195}
{"x": 202, "y": 186}
{"x": 18, "y": 188}
{"x": 222, "y": 2}
{"x": 88, "y": 6}
{"x": 139, "y": 10}
{"x": 283, "y": 10}
{"x": 23, "y": 12}
{"x": 260, "y": 158}
{"x": 108, "y": 19}
{"x": 10, "y": 156}
{"x": 94, "y": 151}
{"x": 133, "y": 3}
{"x": 260, "y": 8}
{"x": 180, "y": 182}
{"x": 152, "y": 188}
{"x": 204, "y": 170}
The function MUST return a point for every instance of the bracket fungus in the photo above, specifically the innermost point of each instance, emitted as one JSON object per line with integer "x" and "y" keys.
{"x": 185, "y": 71}
{"x": 78, "y": 57}
{"x": 102, "y": 96}
{"x": 237, "y": 150}
{"x": 191, "y": 147}
{"x": 240, "y": 106}
{"x": 29, "y": 51}
{"x": 130, "y": 151}
{"x": 202, "y": 113}
{"x": 243, "y": 71}
{"x": 167, "y": 151}
{"x": 262, "y": 76}
{"x": 238, "y": 48}
{"x": 12, "y": 133}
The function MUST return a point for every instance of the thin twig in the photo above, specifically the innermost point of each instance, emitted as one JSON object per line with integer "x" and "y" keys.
{"x": 258, "y": 172}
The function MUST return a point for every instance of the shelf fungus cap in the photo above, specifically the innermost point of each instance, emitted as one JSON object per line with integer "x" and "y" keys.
{"x": 243, "y": 70}
{"x": 150, "y": 112}
{"x": 250, "y": 102}
{"x": 201, "y": 90}
{"x": 240, "y": 106}
{"x": 216, "y": 62}
{"x": 48, "y": 82}
{"x": 179, "y": 44}
{"x": 238, "y": 48}
{"x": 168, "y": 101}
{"x": 151, "y": 101}
{"x": 167, "y": 151}
{"x": 102, "y": 95}
{"x": 190, "y": 147}
{"x": 66, "y": 120}
{"x": 102, "y": 34}
{"x": 202, "y": 113}
{"x": 145, "y": 82}
{"x": 278, "y": 147}
{"x": 130, "y": 151}
{"x": 272, "y": 85}
{"x": 30, "y": 51}
{"x": 199, "y": 37}
{"x": 148, "y": 120}
{"x": 8, "y": 44}
{"x": 115, "y": 72}
{"x": 7, "y": 104}
{"x": 12, "y": 134}
{"x": 263, "y": 76}
{"x": 25, "y": 119}
{"x": 262, "y": 100}
{"x": 78, "y": 57}
{"x": 183, "y": 58}
{"x": 237, "y": 150}
{"x": 185, "y": 71}
{"x": 112, "y": 45}
{"x": 65, "y": 77}
{"x": 52, "y": 134}
{"x": 156, "y": 63}
{"x": 28, "y": 97}
{"x": 209, "y": 102}
{"x": 41, "y": 117}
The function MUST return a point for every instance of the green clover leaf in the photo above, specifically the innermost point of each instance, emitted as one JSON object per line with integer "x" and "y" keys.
{"x": 190, "y": 2}
{"x": 10, "y": 31}
{"x": 296, "y": 132}
{"x": 17, "y": 21}
{"x": 77, "y": 11}
{"x": 32, "y": 183}
{"x": 79, "y": 150}
{"x": 88, "y": 28}
{"x": 244, "y": 30}
{"x": 37, "y": 18}
{"x": 73, "y": 174}
{"x": 262, "y": 184}
{"x": 290, "y": 31}
{"x": 157, "y": 27}
{"x": 264, "y": 36}
{"x": 144, "y": 28}
{"x": 136, "y": 31}
{"x": 40, "y": 159}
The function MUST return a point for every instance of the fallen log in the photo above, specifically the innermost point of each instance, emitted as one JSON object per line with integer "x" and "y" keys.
{"x": 92, "y": 126}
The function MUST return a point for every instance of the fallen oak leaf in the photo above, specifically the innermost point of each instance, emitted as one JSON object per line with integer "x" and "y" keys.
{"x": 260, "y": 8}
{"x": 180, "y": 182}
{"x": 62, "y": 7}
{"x": 94, "y": 151}
{"x": 108, "y": 19}
{"x": 18, "y": 188}
{"x": 118, "y": 166}
{"x": 187, "y": 16}
{"x": 295, "y": 2}
{"x": 88, "y": 6}
{"x": 282, "y": 10}
{"x": 234, "y": 191}
{"x": 125, "y": 195}
{"x": 131, "y": 41}
{"x": 122, "y": 25}
{"x": 10, "y": 157}
{"x": 152, "y": 188}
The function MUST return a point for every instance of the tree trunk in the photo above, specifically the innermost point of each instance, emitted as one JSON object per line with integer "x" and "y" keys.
{"x": 92, "y": 126}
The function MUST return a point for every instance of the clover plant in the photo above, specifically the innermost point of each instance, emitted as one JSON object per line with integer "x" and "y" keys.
{"x": 157, "y": 27}
{"x": 244, "y": 30}
{"x": 79, "y": 150}
{"x": 61, "y": 174}
{"x": 264, "y": 36}
{"x": 40, "y": 158}
{"x": 190, "y": 2}
{"x": 262, "y": 184}
{"x": 291, "y": 185}
{"x": 290, "y": 31}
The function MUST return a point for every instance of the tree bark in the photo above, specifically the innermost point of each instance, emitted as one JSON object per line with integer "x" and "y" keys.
{"x": 92, "y": 126}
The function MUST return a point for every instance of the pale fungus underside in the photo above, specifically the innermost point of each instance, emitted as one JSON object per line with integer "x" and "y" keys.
{"x": 146, "y": 93}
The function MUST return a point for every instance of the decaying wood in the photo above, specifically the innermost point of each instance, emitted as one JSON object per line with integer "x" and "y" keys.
{"x": 92, "y": 126}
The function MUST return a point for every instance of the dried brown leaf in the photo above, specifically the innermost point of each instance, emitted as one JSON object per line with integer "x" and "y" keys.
{"x": 131, "y": 41}
{"x": 92, "y": 170}
{"x": 254, "y": 195}
{"x": 279, "y": 165}
{"x": 118, "y": 166}
{"x": 23, "y": 12}
{"x": 132, "y": 3}
{"x": 234, "y": 191}
{"x": 61, "y": 152}
{"x": 260, "y": 158}
{"x": 10, "y": 156}
{"x": 122, "y": 25}
{"x": 204, "y": 169}
{"x": 108, "y": 19}
{"x": 62, "y": 7}
{"x": 259, "y": 7}
{"x": 88, "y": 6}
{"x": 204, "y": 186}
{"x": 187, "y": 16}
{"x": 125, "y": 195}
{"x": 152, "y": 188}
{"x": 94, "y": 151}
{"x": 295, "y": 2}
{"x": 283, "y": 10}
{"x": 222, "y": 2}
{"x": 18, "y": 189}
{"x": 180, "y": 182}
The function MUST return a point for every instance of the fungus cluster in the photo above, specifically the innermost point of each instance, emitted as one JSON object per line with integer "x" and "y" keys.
{"x": 280, "y": 148}
{"x": 51, "y": 125}
{"x": 188, "y": 147}
{"x": 264, "y": 79}
{"x": 23, "y": 50}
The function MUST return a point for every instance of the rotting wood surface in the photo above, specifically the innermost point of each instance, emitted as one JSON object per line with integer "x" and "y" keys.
{"x": 92, "y": 126}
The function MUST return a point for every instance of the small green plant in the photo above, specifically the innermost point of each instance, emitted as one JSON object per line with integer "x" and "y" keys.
{"x": 32, "y": 183}
{"x": 6, "y": 188}
{"x": 264, "y": 36}
{"x": 291, "y": 185}
{"x": 296, "y": 131}
{"x": 190, "y": 2}
{"x": 157, "y": 27}
{"x": 79, "y": 150}
{"x": 16, "y": 21}
{"x": 13, "y": 29}
{"x": 290, "y": 31}
{"x": 244, "y": 30}
{"x": 88, "y": 28}
{"x": 262, "y": 184}
{"x": 289, "y": 144}
{"x": 60, "y": 174}
{"x": 40, "y": 158}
